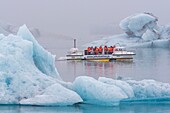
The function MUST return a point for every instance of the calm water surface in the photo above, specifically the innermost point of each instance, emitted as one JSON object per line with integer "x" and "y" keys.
{"x": 141, "y": 108}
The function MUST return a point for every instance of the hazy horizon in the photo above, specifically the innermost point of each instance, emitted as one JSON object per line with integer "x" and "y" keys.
{"x": 77, "y": 18}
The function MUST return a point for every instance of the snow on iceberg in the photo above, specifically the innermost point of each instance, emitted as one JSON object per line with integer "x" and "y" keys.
{"x": 96, "y": 92}
{"x": 27, "y": 70}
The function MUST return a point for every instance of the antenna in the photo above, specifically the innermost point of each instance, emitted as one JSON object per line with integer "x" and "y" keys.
{"x": 74, "y": 43}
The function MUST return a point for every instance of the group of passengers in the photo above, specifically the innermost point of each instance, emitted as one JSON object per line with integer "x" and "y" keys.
{"x": 99, "y": 50}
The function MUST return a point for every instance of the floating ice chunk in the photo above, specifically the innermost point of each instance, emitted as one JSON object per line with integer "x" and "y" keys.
{"x": 55, "y": 95}
{"x": 119, "y": 83}
{"x": 43, "y": 59}
{"x": 96, "y": 92}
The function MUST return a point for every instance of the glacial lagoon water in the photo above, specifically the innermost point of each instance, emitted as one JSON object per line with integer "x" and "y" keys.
{"x": 127, "y": 108}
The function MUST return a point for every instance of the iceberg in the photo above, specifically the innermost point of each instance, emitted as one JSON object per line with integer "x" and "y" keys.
{"x": 137, "y": 24}
{"x": 96, "y": 92}
{"x": 27, "y": 71}
{"x": 141, "y": 31}
{"x": 111, "y": 92}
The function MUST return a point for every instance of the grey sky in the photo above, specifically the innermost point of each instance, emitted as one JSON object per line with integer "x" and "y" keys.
{"x": 78, "y": 17}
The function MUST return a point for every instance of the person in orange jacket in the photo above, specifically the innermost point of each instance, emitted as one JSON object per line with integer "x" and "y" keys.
{"x": 100, "y": 50}
{"x": 89, "y": 50}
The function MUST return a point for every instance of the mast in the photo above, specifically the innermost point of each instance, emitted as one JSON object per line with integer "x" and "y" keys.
{"x": 74, "y": 43}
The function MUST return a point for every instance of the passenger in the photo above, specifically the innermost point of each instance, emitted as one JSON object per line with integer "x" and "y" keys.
{"x": 111, "y": 50}
{"x": 100, "y": 50}
{"x": 105, "y": 50}
{"x": 89, "y": 50}
{"x": 96, "y": 51}
{"x": 92, "y": 50}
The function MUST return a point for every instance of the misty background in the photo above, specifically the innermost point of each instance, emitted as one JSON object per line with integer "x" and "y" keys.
{"x": 79, "y": 18}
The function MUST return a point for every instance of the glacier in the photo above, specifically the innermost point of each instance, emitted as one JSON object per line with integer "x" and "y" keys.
{"x": 140, "y": 31}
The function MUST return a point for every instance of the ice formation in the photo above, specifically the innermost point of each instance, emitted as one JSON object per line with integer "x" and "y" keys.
{"x": 137, "y": 25}
{"x": 96, "y": 92}
{"x": 141, "y": 30}
{"x": 28, "y": 70}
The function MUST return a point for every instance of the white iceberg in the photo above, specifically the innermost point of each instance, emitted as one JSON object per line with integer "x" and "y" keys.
{"x": 96, "y": 92}
{"x": 28, "y": 70}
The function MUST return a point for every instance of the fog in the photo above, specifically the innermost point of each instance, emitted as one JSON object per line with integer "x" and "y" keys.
{"x": 79, "y": 18}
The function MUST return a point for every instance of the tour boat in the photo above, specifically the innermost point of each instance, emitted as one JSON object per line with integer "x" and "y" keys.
{"x": 119, "y": 53}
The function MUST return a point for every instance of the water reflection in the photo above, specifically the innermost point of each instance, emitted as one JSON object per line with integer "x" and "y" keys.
{"x": 106, "y": 69}
{"x": 93, "y": 69}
